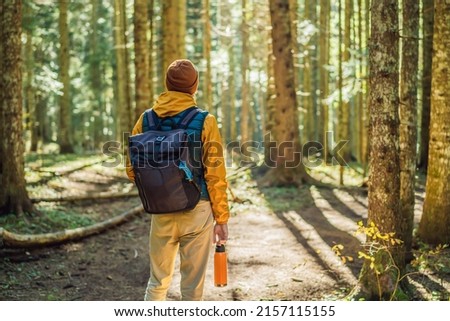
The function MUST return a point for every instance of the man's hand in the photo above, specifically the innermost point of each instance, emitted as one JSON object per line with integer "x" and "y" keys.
{"x": 220, "y": 233}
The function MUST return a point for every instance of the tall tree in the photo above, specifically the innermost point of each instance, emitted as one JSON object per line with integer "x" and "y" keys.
{"x": 151, "y": 41}
{"x": 141, "y": 60}
{"x": 408, "y": 116}
{"x": 207, "y": 82}
{"x": 427, "y": 56}
{"x": 323, "y": 64}
{"x": 288, "y": 168}
{"x": 173, "y": 30}
{"x": 13, "y": 194}
{"x": 29, "y": 88}
{"x": 96, "y": 76}
{"x": 362, "y": 94}
{"x": 123, "y": 113}
{"x": 308, "y": 100}
{"x": 232, "y": 89}
{"x": 384, "y": 178}
{"x": 343, "y": 108}
{"x": 245, "y": 95}
{"x": 65, "y": 116}
{"x": 435, "y": 223}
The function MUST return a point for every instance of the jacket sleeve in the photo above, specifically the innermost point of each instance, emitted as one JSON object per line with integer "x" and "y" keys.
{"x": 136, "y": 130}
{"x": 214, "y": 169}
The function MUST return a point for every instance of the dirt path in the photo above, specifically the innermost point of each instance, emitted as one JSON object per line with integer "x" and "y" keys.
{"x": 280, "y": 248}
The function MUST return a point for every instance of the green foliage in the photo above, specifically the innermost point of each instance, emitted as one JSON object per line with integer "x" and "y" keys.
{"x": 50, "y": 221}
{"x": 432, "y": 259}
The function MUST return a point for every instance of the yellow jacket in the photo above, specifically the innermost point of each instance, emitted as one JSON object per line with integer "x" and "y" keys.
{"x": 171, "y": 103}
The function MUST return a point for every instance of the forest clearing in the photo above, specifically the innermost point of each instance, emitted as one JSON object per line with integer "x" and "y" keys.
{"x": 311, "y": 138}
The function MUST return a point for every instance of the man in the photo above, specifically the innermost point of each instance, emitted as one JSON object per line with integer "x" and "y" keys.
{"x": 189, "y": 232}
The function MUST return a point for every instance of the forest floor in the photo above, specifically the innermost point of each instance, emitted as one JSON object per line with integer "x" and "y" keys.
{"x": 282, "y": 241}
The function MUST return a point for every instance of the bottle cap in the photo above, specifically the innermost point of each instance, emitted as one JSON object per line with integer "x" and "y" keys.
{"x": 220, "y": 248}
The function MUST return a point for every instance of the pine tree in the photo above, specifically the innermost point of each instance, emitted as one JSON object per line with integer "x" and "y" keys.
{"x": 288, "y": 168}
{"x": 434, "y": 226}
{"x": 13, "y": 194}
{"x": 384, "y": 178}
{"x": 65, "y": 116}
{"x": 141, "y": 60}
{"x": 408, "y": 116}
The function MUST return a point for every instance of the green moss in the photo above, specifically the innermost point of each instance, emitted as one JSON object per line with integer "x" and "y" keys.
{"x": 49, "y": 221}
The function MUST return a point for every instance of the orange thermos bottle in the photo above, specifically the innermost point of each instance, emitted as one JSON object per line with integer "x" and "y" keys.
{"x": 220, "y": 266}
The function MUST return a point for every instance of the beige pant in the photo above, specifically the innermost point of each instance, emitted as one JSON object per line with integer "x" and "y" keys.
{"x": 191, "y": 233}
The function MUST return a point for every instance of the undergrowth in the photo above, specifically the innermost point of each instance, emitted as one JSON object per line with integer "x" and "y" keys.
{"x": 49, "y": 221}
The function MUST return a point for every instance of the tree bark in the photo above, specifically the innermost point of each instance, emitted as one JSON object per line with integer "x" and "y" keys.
{"x": 308, "y": 104}
{"x": 141, "y": 60}
{"x": 207, "y": 82}
{"x": 65, "y": 115}
{"x": 427, "y": 57}
{"x": 123, "y": 111}
{"x": 289, "y": 169}
{"x": 96, "y": 79}
{"x": 30, "y": 90}
{"x": 232, "y": 91}
{"x": 173, "y": 31}
{"x": 151, "y": 41}
{"x": 245, "y": 96}
{"x": 434, "y": 226}
{"x": 384, "y": 178}
{"x": 13, "y": 195}
{"x": 323, "y": 63}
{"x": 408, "y": 117}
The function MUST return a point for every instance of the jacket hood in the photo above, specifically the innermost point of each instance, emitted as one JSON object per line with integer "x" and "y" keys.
{"x": 170, "y": 103}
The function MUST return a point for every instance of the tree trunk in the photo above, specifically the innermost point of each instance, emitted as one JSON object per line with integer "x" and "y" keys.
{"x": 434, "y": 226}
{"x": 173, "y": 30}
{"x": 30, "y": 90}
{"x": 364, "y": 114}
{"x": 317, "y": 125}
{"x": 384, "y": 178}
{"x": 408, "y": 117}
{"x": 347, "y": 124}
{"x": 270, "y": 111}
{"x": 207, "y": 82}
{"x": 323, "y": 63}
{"x": 362, "y": 95}
{"x": 124, "y": 123}
{"x": 245, "y": 96}
{"x": 151, "y": 41}
{"x": 308, "y": 107}
{"x": 2, "y": 135}
{"x": 428, "y": 22}
{"x": 288, "y": 167}
{"x": 96, "y": 79}
{"x": 141, "y": 60}
{"x": 343, "y": 109}
{"x": 232, "y": 90}
{"x": 65, "y": 115}
{"x": 13, "y": 194}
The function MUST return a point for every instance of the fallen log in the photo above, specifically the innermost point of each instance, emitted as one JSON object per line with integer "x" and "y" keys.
{"x": 84, "y": 197}
{"x": 57, "y": 173}
{"x": 13, "y": 240}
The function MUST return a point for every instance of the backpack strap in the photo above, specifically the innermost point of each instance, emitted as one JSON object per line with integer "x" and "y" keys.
{"x": 152, "y": 119}
{"x": 189, "y": 115}
{"x": 154, "y": 123}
